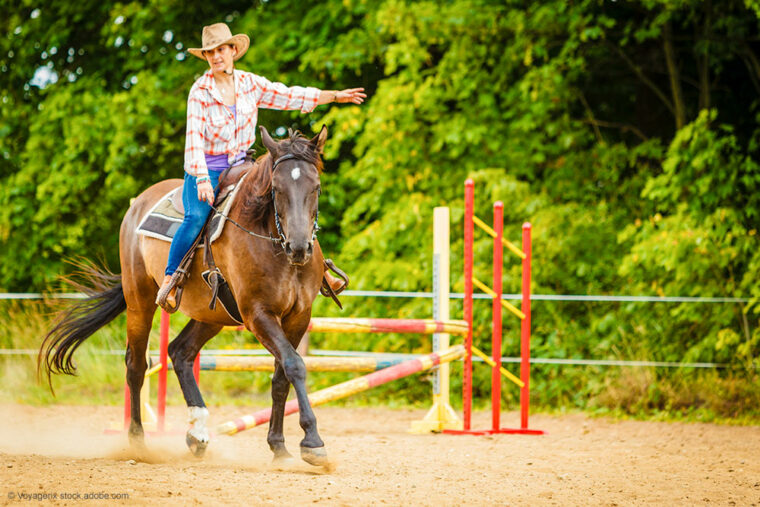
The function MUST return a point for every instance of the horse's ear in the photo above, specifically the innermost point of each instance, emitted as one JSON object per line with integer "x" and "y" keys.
{"x": 267, "y": 141}
{"x": 318, "y": 141}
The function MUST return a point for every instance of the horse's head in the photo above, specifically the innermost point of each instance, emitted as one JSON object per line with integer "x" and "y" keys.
{"x": 295, "y": 187}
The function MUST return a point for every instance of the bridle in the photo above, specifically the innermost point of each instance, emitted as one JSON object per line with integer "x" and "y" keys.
{"x": 282, "y": 240}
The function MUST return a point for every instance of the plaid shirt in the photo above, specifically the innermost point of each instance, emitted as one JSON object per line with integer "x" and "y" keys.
{"x": 211, "y": 127}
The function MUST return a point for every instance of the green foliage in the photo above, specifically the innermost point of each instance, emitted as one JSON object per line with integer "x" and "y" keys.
{"x": 625, "y": 132}
{"x": 702, "y": 240}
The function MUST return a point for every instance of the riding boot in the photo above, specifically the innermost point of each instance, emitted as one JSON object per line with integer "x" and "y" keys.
{"x": 336, "y": 284}
{"x": 166, "y": 297}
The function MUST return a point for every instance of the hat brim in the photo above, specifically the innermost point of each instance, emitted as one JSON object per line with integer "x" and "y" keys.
{"x": 240, "y": 41}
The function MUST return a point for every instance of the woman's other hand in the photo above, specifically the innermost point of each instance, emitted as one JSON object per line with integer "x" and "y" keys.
{"x": 350, "y": 95}
{"x": 206, "y": 192}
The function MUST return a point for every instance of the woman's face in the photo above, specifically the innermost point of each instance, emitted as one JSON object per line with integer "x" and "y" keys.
{"x": 220, "y": 59}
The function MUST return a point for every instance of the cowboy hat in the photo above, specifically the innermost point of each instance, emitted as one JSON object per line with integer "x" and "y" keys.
{"x": 217, "y": 34}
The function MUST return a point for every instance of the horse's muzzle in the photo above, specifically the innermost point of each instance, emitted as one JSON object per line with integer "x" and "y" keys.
{"x": 299, "y": 253}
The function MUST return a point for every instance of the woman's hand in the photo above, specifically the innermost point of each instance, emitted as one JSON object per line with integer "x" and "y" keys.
{"x": 206, "y": 192}
{"x": 350, "y": 95}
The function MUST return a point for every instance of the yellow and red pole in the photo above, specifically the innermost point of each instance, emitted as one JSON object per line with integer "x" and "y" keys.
{"x": 345, "y": 389}
{"x": 356, "y": 325}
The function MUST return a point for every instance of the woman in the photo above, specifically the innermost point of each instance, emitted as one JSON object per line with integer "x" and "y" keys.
{"x": 222, "y": 111}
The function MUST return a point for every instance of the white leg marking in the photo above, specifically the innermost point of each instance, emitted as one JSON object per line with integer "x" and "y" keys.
{"x": 198, "y": 418}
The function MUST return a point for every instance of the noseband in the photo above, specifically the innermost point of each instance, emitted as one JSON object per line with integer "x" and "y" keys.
{"x": 283, "y": 239}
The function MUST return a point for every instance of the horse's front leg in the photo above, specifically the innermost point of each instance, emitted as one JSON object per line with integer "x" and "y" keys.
{"x": 275, "y": 438}
{"x": 272, "y": 336}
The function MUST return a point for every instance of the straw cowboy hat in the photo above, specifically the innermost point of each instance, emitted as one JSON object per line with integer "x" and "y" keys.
{"x": 217, "y": 34}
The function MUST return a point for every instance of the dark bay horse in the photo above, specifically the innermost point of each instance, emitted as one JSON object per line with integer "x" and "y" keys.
{"x": 273, "y": 284}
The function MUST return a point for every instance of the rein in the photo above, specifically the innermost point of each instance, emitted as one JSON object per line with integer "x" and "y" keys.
{"x": 282, "y": 239}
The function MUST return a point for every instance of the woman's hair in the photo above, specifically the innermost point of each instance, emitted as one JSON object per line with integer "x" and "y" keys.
{"x": 232, "y": 46}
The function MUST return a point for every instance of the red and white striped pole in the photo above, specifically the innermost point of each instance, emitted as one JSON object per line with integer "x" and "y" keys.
{"x": 469, "y": 198}
{"x": 498, "y": 260}
{"x": 525, "y": 328}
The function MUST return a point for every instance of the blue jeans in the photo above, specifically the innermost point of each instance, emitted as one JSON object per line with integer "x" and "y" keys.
{"x": 196, "y": 213}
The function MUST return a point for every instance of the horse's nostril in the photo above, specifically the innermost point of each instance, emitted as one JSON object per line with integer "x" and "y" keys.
{"x": 288, "y": 249}
{"x": 310, "y": 248}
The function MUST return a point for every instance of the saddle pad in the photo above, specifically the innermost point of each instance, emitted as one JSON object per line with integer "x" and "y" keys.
{"x": 163, "y": 219}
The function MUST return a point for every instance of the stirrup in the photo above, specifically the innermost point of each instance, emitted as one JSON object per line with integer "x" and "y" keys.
{"x": 328, "y": 291}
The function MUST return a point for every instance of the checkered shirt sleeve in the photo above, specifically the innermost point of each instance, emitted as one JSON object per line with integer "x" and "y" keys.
{"x": 279, "y": 96}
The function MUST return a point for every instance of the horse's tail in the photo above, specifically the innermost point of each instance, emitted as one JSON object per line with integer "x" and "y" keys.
{"x": 104, "y": 301}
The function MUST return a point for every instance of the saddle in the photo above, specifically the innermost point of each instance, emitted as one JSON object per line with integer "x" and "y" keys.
{"x": 213, "y": 277}
{"x": 227, "y": 183}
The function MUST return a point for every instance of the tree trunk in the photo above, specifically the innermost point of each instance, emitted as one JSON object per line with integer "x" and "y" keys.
{"x": 704, "y": 61}
{"x": 675, "y": 78}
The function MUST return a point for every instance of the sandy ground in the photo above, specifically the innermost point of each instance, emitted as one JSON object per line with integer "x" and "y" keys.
{"x": 62, "y": 450}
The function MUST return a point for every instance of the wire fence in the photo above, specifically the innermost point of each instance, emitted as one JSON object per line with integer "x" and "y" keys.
{"x": 388, "y": 355}
{"x": 456, "y": 295}
{"x": 459, "y": 295}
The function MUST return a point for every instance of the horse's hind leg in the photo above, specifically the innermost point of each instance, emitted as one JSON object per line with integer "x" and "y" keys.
{"x": 183, "y": 351}
{"x": 138, "y": 331}
{"x": 275, "y": 438}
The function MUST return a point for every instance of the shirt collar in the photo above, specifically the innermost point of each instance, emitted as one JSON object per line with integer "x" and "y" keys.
{"x": 207, "y": 80}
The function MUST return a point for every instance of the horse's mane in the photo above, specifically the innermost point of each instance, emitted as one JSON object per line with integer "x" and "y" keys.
{"x": 258, "y": 185}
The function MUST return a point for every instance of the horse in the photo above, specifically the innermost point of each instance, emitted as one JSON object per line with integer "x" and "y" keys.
{"x": 272, "y": 263}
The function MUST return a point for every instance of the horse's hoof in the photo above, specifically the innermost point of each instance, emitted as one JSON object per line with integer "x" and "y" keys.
{"x": 136, "y": 438}
{"x": 316, "y": 456}
{"x": 197, "y": 447}
{"x": 284, "y": 459}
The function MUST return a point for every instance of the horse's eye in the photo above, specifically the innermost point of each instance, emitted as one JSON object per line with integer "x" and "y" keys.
{"x": 319, "y": 191}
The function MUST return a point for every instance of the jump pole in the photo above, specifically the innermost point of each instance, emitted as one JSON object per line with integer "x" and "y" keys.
{"x": 163, "y": 357}
{"x": 525, "y": 328}
{"x": 469, "y": 211}
{"x": 346, "y": 389}
{"x": 498, "y": 262}
{"x": 441, "y": 415}
{"x": 312, "y": 363}
{"x": 355, "y": 325}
